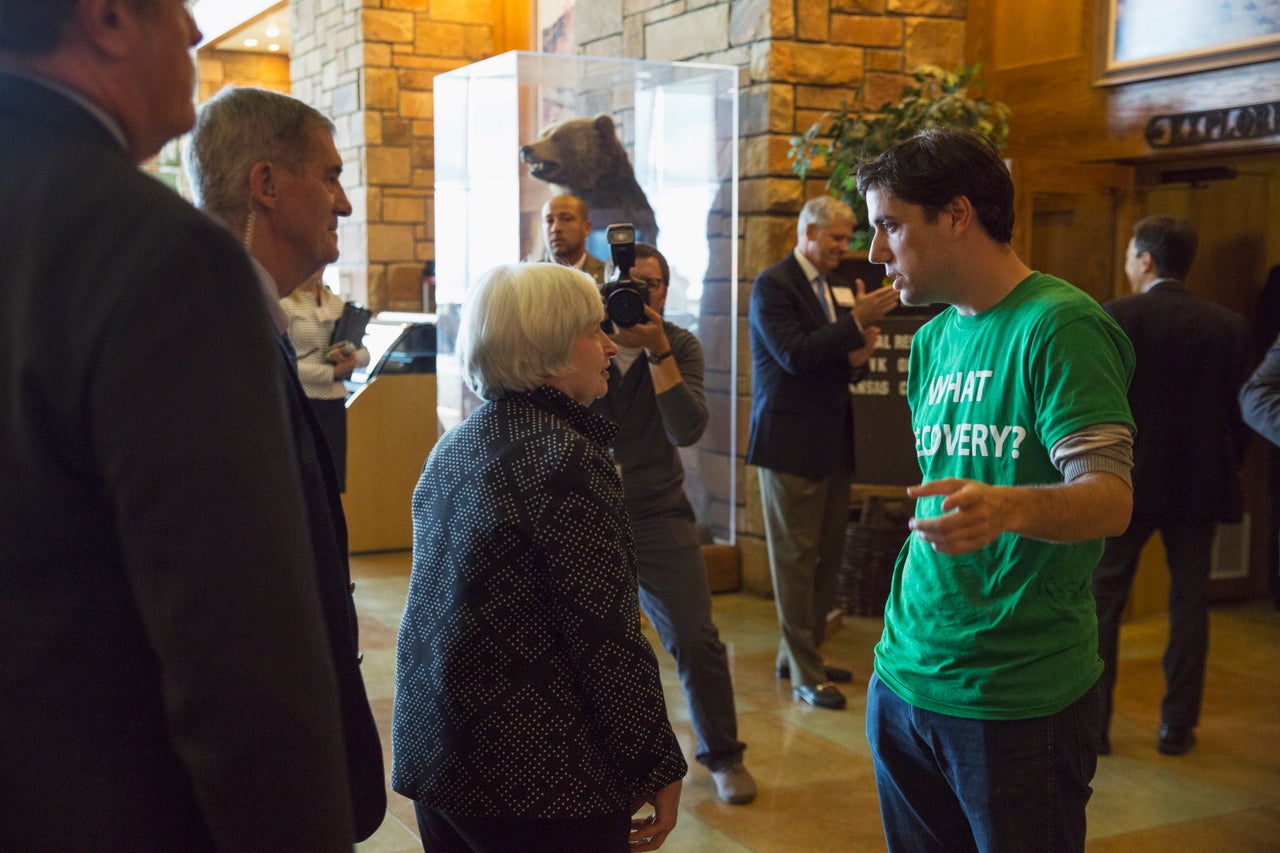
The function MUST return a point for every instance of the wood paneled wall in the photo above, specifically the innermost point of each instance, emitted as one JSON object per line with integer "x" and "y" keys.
{"x": 1039, "y": 57}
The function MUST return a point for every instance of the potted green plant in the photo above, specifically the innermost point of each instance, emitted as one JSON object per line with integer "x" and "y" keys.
{"x": 938, "y": 98}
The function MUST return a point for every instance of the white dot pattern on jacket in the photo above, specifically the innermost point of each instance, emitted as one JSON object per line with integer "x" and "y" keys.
{"x": 523, "y": 684}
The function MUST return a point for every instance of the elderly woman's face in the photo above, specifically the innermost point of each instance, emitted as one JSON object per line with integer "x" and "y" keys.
{"x": 589, "y": 366}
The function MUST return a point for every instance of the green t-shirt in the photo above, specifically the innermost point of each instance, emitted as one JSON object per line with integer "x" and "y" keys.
{"x": 1008, "y": 631}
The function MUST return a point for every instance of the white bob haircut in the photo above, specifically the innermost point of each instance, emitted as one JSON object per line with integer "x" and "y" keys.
{"x": 821, "y": 211}
{"x": 519, "y": 324}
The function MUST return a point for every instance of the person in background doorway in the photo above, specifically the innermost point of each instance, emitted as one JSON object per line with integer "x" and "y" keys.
{"x": 313, "y": 311}
{"x": 1191, "y": 362}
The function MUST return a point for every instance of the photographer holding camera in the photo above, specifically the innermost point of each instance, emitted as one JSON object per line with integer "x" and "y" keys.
{"x": 656, "y": 398}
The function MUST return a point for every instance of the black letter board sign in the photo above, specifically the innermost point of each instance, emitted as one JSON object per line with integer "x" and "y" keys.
{"x": 884, "y": 444}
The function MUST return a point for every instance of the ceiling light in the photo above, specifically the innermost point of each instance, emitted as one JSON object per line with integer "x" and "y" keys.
{"x": 273, "y": 31}
{"x": 273, "y": 47}
{"x": 250, "y": 42}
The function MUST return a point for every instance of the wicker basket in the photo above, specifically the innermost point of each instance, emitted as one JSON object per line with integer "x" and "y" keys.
{"x": 871, "y": 547}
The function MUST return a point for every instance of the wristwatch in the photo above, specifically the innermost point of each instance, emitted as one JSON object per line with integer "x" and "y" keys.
{"x": 659, "y": 357}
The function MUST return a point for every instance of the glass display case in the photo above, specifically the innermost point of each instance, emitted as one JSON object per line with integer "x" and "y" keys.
{"x": 678, "y": 126}
{"x": 398, "y": 342}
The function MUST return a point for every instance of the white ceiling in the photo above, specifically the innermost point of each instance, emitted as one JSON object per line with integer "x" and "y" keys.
{"x": 245, "y": 25}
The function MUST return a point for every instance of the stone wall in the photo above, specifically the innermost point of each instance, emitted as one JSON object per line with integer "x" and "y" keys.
{"x": 797, "y": 59}
{"x": 219, "y": 68}
{"x": 216, "y": 69}
{"x": 369, "y": 65}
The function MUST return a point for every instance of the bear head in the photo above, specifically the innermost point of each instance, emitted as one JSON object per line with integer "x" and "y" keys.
{"x": 576, "y": 154}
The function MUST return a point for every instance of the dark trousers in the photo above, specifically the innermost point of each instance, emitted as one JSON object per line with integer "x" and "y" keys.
{"x": 451, "y": 833}
{"x": 332, "y": 417}
{"x": 1189, "y": 548}
{"x": 1273, "y": 564}
{"x": 675, "y": 596}
{"x": 949, "y": 784}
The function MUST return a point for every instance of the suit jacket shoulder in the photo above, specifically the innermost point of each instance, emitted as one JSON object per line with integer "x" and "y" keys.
{"x": 594, "y": 267}
{"x": 1190, "y": 359}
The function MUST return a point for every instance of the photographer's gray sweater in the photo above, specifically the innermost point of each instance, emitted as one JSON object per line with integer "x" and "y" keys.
{"x": 651, "y": 426}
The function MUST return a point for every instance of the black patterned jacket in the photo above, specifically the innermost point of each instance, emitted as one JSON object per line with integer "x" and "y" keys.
{"x": 523, "y": 684}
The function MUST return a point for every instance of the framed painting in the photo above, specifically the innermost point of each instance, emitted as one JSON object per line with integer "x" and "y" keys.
{"x": 1161, "y": 38}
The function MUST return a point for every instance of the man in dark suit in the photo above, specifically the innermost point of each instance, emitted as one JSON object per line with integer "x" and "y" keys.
{"x": 1190, "y": 440}
{"x": 166, "y": 683}
{"x": 265, "y": 164}
{"x": 809, "y": 339}
{"x": 565, "y": 227}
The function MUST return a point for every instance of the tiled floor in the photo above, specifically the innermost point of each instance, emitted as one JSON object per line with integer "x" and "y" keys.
{"x": 817, "y": 791}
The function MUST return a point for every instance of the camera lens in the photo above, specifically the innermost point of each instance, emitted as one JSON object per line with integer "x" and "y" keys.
{"x": 625, "y": 306}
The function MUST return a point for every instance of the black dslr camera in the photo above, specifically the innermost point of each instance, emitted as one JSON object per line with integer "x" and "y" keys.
{"x": 624, "y": 299}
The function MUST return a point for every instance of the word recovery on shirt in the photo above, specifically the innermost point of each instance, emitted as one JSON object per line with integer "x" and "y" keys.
{"x": 966, "y": 439}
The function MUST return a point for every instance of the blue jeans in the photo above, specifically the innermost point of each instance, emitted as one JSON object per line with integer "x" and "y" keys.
{"x": 952, "y": 784}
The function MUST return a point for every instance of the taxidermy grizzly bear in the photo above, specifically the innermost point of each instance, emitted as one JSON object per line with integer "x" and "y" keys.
{"x": 584, "y": 157}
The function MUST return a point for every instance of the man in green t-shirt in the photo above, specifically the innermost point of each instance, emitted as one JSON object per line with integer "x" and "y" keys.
{"x": 982, "y": 714}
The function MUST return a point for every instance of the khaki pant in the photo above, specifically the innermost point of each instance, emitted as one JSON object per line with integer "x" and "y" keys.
{"x": 804, "y": 523}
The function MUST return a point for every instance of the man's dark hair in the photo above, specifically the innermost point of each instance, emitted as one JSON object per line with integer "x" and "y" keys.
{"x": 35, "y": 26}
{"x": 1171, "y": 243}
{"x": 936, "y": 166}
{"x": 644, "y": 250}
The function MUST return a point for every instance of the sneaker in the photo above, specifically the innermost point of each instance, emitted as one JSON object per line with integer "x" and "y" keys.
{"x": 734, "y": 784}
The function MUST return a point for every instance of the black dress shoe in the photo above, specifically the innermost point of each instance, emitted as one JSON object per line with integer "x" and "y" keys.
{"x": 1175, "y": 740}
{"x": 823, "y": 695}
{"x": 833, "y": 673}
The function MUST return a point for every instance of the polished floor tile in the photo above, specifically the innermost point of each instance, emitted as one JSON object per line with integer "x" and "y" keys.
{"x": 817, "y": 789}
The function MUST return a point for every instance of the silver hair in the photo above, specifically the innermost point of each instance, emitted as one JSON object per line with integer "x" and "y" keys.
{"x": 519, "y": 323}
{"x": 821, "y": 211}
{"x": 237, "y": 128}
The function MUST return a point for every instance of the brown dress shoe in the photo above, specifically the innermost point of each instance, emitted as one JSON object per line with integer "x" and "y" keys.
{"x": 734, "y": 784}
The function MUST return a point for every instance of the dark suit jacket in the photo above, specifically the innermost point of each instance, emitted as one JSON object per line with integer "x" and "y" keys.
{"x": 592, "y": 266}
{"x": 1190, "y": 437}
{"x": 801, "y": 411}
{"x": 165, "y": 682}
{"x": 328, "y": 525}
{"x": 1260, "y": 397}
{"x": 524, "y": 687}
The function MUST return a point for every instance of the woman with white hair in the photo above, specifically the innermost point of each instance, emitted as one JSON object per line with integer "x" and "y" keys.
{"x": 528, "y": 711}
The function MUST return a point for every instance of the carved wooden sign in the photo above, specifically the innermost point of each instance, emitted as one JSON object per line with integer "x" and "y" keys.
{"x": 1228, "y": 124}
